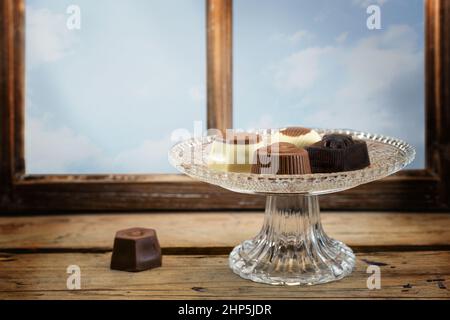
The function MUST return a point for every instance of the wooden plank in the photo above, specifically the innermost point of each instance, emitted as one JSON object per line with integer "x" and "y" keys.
{"x": 19, "y": 87}
{"x": 408, "y": 190}
{"x": 216, "y": 230}
{"x": 43, "y": 276}
{"x": 438, "y": 94}
{"x": 6, "y": 100}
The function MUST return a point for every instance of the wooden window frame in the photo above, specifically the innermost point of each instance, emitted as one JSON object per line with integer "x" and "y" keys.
{"x": 417, "y": 190}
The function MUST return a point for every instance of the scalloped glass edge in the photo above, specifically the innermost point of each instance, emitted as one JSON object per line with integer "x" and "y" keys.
{"x": 401, "y": 155}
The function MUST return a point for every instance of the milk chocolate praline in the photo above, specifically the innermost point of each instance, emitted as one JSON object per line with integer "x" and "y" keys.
{"x": 338, "y": 152}
{"x": 282, "y": 159}
{"x": 136, "y": 249}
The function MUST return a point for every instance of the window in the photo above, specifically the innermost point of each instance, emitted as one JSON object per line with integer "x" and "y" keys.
{"x": 105, "y": 95}
{"x": 73, "y": 190}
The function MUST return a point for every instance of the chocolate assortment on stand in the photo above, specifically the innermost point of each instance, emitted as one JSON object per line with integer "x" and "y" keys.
{"x": 289, "y": 151}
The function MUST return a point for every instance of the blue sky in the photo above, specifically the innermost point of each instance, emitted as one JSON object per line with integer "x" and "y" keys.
{"x": 106, "y": 98}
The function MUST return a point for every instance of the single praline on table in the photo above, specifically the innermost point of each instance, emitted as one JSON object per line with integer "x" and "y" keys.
{"x": 135, "y": 250}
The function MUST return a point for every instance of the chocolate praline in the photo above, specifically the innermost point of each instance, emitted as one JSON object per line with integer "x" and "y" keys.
{"x": 282, "y": 159}
{"x": 234, "y": 152}
{"x": 136, "y": 249}
{"x": 299, "y": 136}
{"x": 337, "y": 153}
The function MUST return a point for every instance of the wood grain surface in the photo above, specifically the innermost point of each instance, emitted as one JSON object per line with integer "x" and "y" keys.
{"x": 220, "y": 230}
{"x": 412, "y": 251}
{"x": 43, "y": 276}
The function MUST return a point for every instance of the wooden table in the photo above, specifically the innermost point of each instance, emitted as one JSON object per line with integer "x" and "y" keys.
{"x": 412, "y": 250}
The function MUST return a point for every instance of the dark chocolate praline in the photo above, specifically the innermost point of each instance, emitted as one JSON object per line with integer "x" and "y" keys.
{"x": 337, "y": 153}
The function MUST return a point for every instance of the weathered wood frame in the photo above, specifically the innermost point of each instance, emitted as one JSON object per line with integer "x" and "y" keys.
{"x": 427, "y": 189}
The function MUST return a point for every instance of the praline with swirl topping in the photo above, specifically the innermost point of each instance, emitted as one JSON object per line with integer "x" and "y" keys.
{"x": 337, "y": 153}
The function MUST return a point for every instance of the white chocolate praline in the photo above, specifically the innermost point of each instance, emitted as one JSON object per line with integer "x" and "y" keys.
{"x": 229, "y": 157}
{"x": 300, "y": 141}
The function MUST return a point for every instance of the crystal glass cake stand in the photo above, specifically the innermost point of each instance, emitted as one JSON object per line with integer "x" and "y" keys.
{"x": 292, "y": 247}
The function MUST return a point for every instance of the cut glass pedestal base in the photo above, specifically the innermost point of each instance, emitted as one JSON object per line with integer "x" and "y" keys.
{"x": 292, "y": 248}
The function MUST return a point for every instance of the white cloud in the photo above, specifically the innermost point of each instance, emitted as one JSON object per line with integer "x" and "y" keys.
{"x": 366, "y": 3}
{"x": 60, "y": 150}
{"x": 341, "y": 38}
{"x": 375, "y": 83}
{"x": 55, "y": 149}
{"x": 301, "y": 35}
{"x": 294, "y": 38}
{"x": 376, "y": 63}
{"x": 144, "y": 158}
{"x": 48, "y": 38}
{"x": 302, "y": 69}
